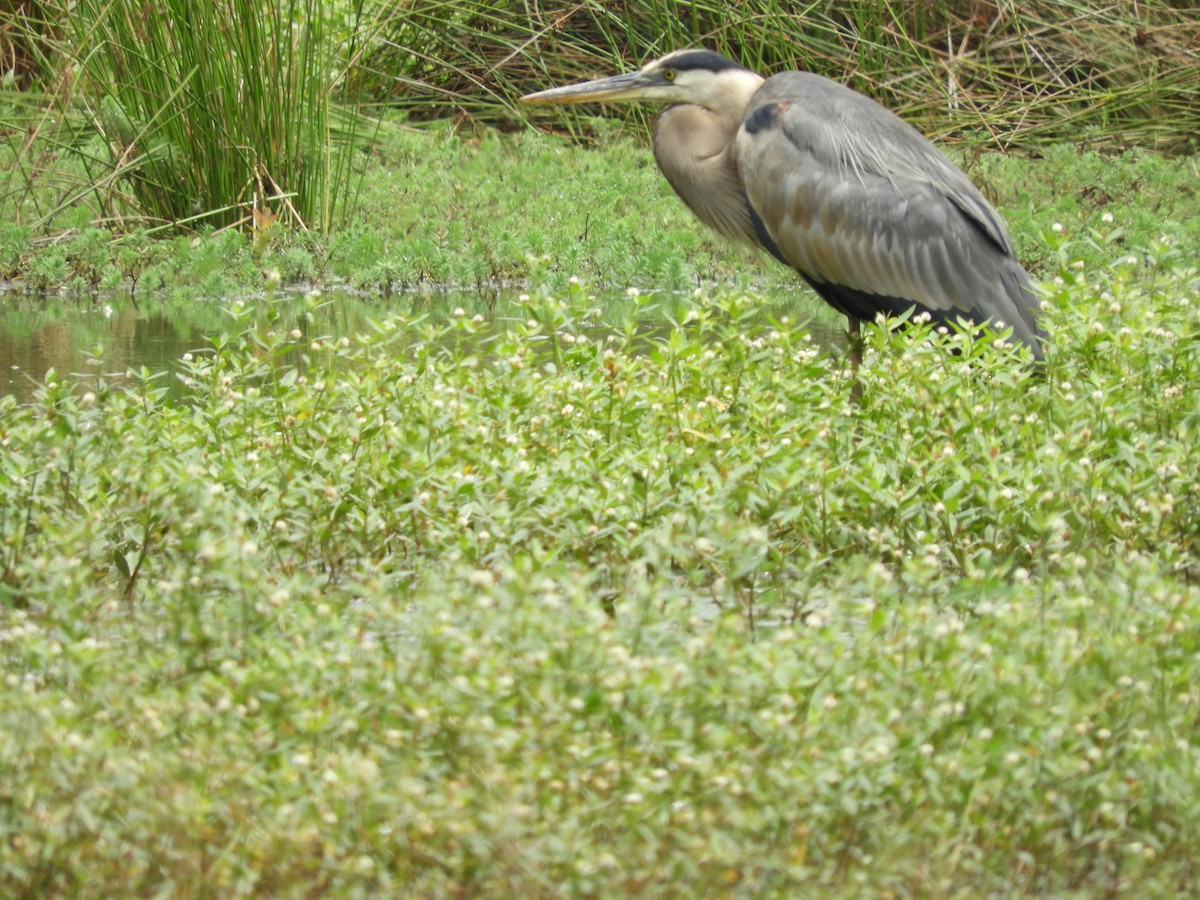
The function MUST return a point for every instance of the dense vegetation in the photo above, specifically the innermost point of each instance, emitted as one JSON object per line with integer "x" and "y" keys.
{"x": 590, "y": 598}
{"x": 566, "y": 608}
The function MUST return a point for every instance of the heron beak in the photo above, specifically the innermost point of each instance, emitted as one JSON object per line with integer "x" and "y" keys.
{"x": 618, "y": 87}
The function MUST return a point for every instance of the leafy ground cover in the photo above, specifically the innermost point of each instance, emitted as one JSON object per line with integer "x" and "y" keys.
{"x": 442, "y": 208}
{"x": 565, "y": 607}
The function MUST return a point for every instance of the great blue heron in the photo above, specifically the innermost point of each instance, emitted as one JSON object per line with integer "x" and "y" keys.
{"x": 830, "y": 183}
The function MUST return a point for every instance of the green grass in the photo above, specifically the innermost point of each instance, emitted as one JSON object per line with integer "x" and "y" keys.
{"x": 568, "y": 609}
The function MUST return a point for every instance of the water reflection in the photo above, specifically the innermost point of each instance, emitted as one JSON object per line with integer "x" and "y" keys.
{"x": 82, "y": 339}
{"x": 107, "y": 337}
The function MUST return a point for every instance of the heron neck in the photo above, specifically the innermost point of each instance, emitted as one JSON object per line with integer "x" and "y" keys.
{"x": 696, "y": 150}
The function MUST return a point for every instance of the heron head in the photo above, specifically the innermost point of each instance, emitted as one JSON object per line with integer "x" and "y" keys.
{"x": 701, "y": 77}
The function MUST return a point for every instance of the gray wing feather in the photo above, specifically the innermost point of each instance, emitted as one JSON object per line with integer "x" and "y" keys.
{"x": 853, "y": 196}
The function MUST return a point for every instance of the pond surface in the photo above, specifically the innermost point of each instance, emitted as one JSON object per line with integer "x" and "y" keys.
{"x": 110, "y": 335}
{"x": 107, "y": 336}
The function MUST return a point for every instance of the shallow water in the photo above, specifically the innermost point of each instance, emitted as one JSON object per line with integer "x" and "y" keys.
{"x": 109, "y": 336}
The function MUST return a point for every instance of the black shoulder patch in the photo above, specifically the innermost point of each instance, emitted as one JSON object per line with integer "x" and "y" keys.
{"x": 706, "y": 60}
{"x": 760, "y": 118}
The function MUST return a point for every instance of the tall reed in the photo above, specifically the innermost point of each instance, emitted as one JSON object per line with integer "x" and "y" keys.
{"x": 27, "y": 31}
{"x": 212, "y": 111}
{"x": 1028, "y": 73}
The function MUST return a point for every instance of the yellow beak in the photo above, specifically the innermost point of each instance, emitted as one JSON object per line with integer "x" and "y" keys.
{"x": 617, "y": 87}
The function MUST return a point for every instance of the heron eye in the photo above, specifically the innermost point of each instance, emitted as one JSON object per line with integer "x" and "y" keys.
{"x": 668, "y": 74}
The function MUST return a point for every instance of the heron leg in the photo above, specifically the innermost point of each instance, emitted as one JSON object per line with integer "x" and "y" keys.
{"x": 854, "y": 344}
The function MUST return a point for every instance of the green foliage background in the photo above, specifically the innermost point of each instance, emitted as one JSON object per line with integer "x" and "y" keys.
{"x": 201, "y": 113}
{"x": 1001, "y": 74}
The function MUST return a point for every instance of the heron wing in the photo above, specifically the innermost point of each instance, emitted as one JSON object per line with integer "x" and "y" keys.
{"x": 872, "y": 213}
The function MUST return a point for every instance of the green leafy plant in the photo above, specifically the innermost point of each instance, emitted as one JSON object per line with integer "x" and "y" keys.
{"x": 584, "y": 604}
